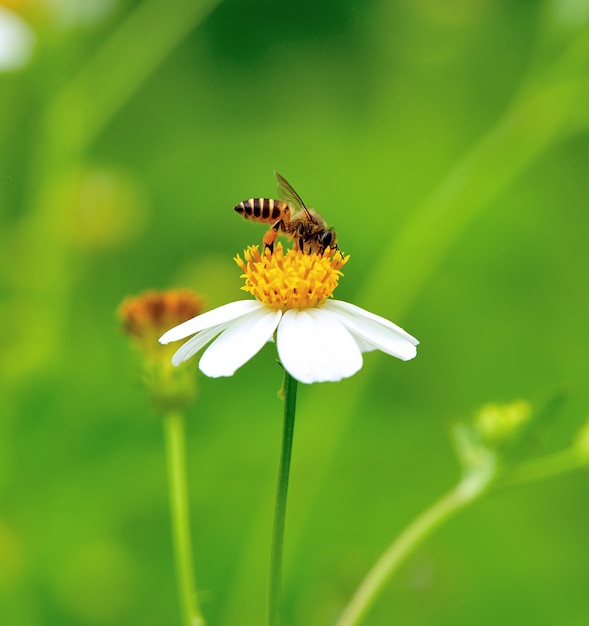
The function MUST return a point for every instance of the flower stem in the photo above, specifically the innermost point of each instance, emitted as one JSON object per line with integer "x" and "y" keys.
{"x": 289, "y": 391}
{"x": 395, "y": 555}
{"x": 176, "y": 461}
{"x": 549, "y": 466}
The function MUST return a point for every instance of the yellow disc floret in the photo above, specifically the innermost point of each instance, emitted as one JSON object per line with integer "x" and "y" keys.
{"x": 292, "y": 279}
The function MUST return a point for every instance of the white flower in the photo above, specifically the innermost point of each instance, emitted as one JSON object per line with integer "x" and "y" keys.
{"x": 17, "y": 41}
{"x": 318, "y": 344}
{"x": 317, "y": 339}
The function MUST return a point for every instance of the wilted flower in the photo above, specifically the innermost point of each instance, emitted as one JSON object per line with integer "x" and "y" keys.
{"x": 145, "y": 317}
{"x": 318, "y": 339}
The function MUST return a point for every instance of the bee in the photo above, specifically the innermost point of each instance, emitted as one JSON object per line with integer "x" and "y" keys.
{"x": 290, "y": 215}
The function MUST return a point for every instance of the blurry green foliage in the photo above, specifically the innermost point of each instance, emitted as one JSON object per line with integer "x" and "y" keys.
{"x": 447, "y": 143}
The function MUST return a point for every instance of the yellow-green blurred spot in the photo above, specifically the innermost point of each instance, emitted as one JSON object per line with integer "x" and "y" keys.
{"x": 104, "y": 208}
{"x": 497, "y": 423}
{"x": 11, "y": 555}
{"x": 582, "y": 441}
{"x": 96, "y": 583}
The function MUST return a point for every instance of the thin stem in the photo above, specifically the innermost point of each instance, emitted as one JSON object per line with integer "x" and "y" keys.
{"x": 120, "y": 74}
{"x": 465, "y": 492}
{"x": 549, "y": 466}
{"x": 289, "y": 391}
{"x": 176, "y": 461}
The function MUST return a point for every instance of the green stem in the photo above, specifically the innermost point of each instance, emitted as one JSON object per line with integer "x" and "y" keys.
{"x": 80, "y": 111}
{"x": 549, "y": 466}
{"x": 289, "y": 391}
{"x": 467, "y": 490}
{"x": 176, "y": 461}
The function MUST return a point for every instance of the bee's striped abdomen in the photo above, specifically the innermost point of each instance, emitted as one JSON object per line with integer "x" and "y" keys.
{"x": 262, "y": 209}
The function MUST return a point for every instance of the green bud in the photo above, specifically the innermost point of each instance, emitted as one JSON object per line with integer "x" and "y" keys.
{"x": 499, "y": 424}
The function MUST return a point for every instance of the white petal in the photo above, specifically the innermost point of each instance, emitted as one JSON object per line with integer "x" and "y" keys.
{"x": 314, "y": 346}
{"x": 215, "y": 317}
{"x": 373, "y": 330}
{"x": 17, "y": 40}
{"x": 356, "y": 311}
{"x": 363, "y": 344}
{"x": 243, "y": 338}
{"x": 194, "y": 344}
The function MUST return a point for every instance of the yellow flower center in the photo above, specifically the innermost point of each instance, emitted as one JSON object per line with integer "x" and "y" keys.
{"x": 291, "y": 280}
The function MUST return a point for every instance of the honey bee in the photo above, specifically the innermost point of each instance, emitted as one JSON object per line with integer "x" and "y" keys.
{"x": 290, "y": 215}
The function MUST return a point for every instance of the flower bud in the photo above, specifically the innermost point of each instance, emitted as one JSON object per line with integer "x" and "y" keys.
{"x": 144, "y": 318}
{"x": 498, "y": 424}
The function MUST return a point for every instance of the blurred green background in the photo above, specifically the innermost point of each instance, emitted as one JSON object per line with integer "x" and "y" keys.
{"x": 447, "y": 141}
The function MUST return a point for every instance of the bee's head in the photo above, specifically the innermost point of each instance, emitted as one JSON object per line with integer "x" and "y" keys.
{"x": 328, "y": 239}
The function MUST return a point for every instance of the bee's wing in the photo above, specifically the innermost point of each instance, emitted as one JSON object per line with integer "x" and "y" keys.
{"x": 286, "y": 192}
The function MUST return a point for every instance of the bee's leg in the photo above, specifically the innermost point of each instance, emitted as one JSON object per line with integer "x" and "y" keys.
{"x": 271, "y": 234}
{"x": 269, "y": 239}
{"x": 301, "y": 241}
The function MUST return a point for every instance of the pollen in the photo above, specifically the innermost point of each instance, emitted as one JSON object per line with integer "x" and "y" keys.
{"x": 292, "y": 279}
